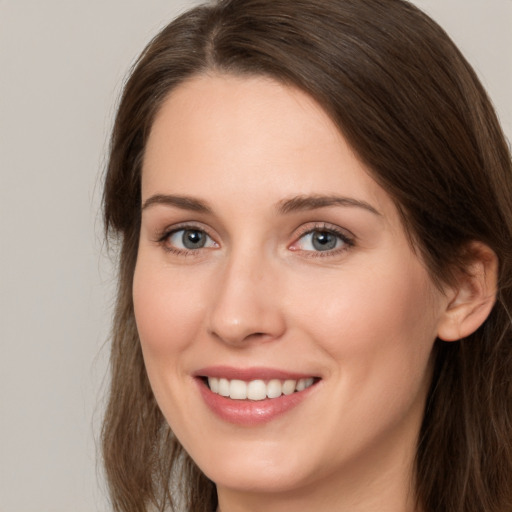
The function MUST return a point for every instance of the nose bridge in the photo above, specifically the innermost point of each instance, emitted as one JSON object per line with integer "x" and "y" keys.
{"x": 245, "y": 305}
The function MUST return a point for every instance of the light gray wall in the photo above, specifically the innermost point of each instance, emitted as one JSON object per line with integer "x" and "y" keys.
{"x": 483, "y": 31}
{"x": 61, "y": 68}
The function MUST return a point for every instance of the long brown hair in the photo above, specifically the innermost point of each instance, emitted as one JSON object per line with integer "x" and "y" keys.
{"x": 415, "y": 113}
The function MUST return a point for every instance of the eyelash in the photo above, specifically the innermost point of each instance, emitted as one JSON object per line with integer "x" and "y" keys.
{"x": 162, "y": 239}
{"x": 348, "y": 241}
{"x": 322, "y": 227}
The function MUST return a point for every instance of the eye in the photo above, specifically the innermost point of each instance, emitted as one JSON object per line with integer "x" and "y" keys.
{"x": 189, "y": 239}
{"x": 322, "y": 240}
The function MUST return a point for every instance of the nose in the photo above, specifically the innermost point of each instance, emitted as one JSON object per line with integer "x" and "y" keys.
{"x": 245, "y": 307}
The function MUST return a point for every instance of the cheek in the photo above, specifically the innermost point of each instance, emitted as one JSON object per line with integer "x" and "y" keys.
{"x": 371, "y": 304}
{"x": 168, "y": 315}
{"x": 167, "y": 311}
{"x": 379, "y": 327}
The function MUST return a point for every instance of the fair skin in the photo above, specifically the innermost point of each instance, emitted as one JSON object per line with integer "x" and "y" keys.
{"x": 267, "y": 252}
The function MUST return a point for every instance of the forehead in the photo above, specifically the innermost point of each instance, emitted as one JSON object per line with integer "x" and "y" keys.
{"x": 252, "y": 138}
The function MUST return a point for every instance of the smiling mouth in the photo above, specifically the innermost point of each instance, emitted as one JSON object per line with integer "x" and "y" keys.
{"x": 258, "y": 389}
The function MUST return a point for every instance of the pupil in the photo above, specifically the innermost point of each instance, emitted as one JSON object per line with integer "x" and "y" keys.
{"x": 324, "y": 241}
{"x": 193, "y": 239}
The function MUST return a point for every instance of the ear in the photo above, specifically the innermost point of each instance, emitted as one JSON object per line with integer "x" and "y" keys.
{"x": 473, "y": 296}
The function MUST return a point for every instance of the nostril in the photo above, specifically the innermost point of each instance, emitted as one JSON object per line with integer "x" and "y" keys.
{"x": 235, "y": 325}
{"x": 258, "y": 336}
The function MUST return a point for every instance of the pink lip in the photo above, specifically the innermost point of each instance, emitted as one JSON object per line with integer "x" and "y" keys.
{"x": 248, "y": 412}
{"x": 248, "y": 374}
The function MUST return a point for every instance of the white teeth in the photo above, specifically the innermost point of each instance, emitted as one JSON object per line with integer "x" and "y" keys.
{"x": 213, "y": 382}
{"x": 289, "y": 387}
{"x": 237, "y": 390}
{"x": 302, "y": 384}
{"x": 274, "y": 388}
{"x": 257, "y": 389}
{"x": 223, "y": 387}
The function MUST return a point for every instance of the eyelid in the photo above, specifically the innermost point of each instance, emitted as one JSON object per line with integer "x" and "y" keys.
{"x": 324, "y": 226}
{"x": 348, "y": 238}
{"x": 163, "y": 235}
{"x": 345, "y": 235}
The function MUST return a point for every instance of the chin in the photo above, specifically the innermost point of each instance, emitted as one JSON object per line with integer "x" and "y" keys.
{"x": 259, "y": 478}
{"x": 254, "y": 467}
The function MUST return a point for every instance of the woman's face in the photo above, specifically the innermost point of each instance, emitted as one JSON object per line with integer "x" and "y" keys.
{"x": 270, "y": 261}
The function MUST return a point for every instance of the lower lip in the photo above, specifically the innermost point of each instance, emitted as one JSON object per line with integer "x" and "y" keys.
{"x": 249, "y": 412}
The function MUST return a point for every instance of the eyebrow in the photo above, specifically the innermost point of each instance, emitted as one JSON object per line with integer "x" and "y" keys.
{"x": 294, "y": 204}
{"x": 313, "y": 202}
{"x": 182, "y": 202}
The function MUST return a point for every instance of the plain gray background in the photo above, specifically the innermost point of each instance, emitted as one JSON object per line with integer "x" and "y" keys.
{"x": 62, "y": 65}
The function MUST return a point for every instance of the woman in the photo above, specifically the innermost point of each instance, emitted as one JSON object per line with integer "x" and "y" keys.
{"x": 314, "y": 201}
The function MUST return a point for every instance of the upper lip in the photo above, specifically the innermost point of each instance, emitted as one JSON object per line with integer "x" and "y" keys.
{"x": 249, "y": 374}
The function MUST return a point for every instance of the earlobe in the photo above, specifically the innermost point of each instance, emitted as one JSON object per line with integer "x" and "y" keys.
{"x": 472, "y": 297}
